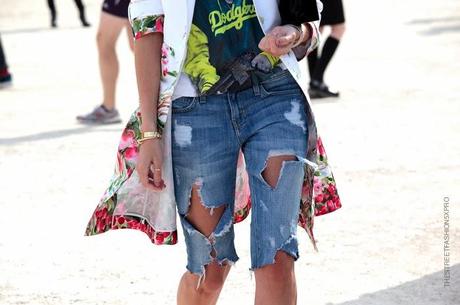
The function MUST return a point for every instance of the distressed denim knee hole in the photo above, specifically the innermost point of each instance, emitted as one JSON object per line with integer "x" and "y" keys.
{"x": 276, "y": 213}
{"x": 274, "y": 167}
{"x": 204, "y": 248}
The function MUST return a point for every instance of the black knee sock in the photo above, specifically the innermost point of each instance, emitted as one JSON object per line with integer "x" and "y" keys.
{"x": 3, "y": 66}
{"x": 329, "y": 48}
{"x": 81, "y": 9}
{"x": 312, "y": 60}
{"x": 52, "y": 9}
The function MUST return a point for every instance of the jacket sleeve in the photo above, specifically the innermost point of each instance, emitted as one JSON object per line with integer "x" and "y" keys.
{"x": 145, "y": 17}
{"x": 313, "y": 42}
{"x": 315, "y": 34}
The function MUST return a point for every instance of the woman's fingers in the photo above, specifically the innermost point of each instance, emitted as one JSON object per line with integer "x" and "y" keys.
{"x": 150, "y": 180}
{"x": 264, "y": 43}
{"x": 279, "y": 41}
{"x": 156, "y": 166}
{"x": 149, "y": 164}
{"x": 143, "y": 173}
{"x": 268, "y": 44}
{"x": 156, "y": 176}
{"x": 286, "y": 40}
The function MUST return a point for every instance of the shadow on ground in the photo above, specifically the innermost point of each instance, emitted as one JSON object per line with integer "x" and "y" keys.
{"x": 434, "y": 20}
{"x": 55, "y": 134}
{"x": 38, "y": 30}
{"x": 437, "y": 30}
{"x": 437, "y": 26}
{"x": 425, "y": 290}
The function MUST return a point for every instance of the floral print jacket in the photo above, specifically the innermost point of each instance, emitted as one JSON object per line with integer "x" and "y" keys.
{"x": 127, "y": 204}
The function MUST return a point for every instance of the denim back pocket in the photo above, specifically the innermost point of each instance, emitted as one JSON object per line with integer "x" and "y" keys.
{"x": 183, "y": 104}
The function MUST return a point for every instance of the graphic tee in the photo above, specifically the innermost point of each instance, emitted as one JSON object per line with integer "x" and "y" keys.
{"x": 223, "y": 46}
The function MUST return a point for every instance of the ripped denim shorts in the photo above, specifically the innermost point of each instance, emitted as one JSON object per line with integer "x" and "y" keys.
{"x": 207, "y": 134}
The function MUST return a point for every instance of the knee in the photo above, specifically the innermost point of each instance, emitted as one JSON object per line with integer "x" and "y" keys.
{"x": 338, "y": 30}
{"x": 282, "y": 268}
{"x": 104, "y": 45}
{"x": 212, "y": 281}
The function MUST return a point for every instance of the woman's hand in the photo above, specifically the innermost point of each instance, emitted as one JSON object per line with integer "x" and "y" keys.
{"x": 150, "y": 163}
{"x": 147, "y": 54}
{"x": 282, "y": 39}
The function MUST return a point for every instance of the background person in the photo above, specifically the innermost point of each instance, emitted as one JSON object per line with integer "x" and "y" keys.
{"x": 114, "y": 18}
{"x": 332, "y": 15}
{"x": 5, "y": 76}
{"x": 81, "y": 11}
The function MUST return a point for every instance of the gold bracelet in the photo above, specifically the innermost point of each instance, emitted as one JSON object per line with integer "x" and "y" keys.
{"x": 148, "y": 135}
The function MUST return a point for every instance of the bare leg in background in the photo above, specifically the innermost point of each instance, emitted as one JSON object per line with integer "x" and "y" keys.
{"x": 108, "y": 32}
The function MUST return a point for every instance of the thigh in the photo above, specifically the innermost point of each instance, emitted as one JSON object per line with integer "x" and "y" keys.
{"x": 129, "y": 33}
{"x": 275, "y": 158}
{"x": 204, "y": 153}
{"x": 109, "y": 28}
{"x": 276, "y": 122}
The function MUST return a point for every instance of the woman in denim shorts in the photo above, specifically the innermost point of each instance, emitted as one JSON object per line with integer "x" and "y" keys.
{"x": 222, "y": 129}
{"x": 267, "y": 123}
{"x": 233, "y": 92}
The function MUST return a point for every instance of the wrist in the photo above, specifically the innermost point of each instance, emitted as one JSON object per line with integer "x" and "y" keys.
{"x": 303, "y": 33}
{"x": 307, "y": 32}
{"x": 149, "y": 135}
{"x": 148, "y": 126}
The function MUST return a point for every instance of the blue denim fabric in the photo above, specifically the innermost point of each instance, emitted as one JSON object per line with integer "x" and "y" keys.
{"x": 207, "y": 134}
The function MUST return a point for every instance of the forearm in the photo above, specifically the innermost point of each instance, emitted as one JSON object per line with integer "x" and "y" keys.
{"x": 147, "y": 53}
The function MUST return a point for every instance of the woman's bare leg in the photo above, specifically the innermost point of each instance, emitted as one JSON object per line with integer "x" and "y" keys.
{"x": 129, "y": 32}
{"x": 275, "y": 283}
{"x": 211, "y": 286}
{"x": 107, "y": 35}
{"x": 337, "y": 30}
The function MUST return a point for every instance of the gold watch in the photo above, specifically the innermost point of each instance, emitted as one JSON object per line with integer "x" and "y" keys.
{"x": 148, "y": 135}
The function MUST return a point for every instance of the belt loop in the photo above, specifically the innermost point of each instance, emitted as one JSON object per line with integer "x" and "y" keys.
{"x": 202, "y": 99}
{"x": 255, "y": 84}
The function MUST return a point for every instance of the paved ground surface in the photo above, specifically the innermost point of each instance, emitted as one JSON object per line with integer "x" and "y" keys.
{"x": 393, "y": 139}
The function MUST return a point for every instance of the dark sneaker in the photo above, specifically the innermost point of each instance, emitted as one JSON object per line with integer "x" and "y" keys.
{"x": 53, "y": 20}
{"x": 6, "y": 81}
{"x": 83, "y": 20}
{"x": 320, "y": 90}
{"x": 100, "y": 115}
